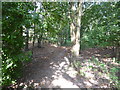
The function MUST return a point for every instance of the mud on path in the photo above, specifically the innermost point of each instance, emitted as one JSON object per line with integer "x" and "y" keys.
{"x": 50, "y": 68}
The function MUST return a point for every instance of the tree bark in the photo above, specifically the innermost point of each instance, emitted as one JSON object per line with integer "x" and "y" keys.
{"x": 118, "y": 53}
{"x": 39, "y": 41}
{"x": 75, "y": 27}
{"x": 34, "y": 36}
{"x": 26, "y": 40}
{"x": 34, "y": 27}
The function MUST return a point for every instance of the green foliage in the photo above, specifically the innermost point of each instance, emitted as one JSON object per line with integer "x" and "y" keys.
{"x": 56, "y": 22}
{"x": 99, "y": 68}
{"x": 100, "y": 25}
{"x": 77, "y": 64}
{"x": 114, "y": 77}
{"x": 14, "y": 16}
{"x": 12, "y": 67}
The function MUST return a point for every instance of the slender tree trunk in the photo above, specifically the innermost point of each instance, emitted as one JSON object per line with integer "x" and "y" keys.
{"x": 26, "y": 39}
{"x": 72, "y": 26}
{"x": 75, "y": 28}
{"x": 118, "y": 53}
{"x": 34, "y": 29}
{"x": 34, "y": 36}
{"x": 39, "y": 41}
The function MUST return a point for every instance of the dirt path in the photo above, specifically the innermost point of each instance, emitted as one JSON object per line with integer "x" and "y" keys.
{"x": 50, "y": 68}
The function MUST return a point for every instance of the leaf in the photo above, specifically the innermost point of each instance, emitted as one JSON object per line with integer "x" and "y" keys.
{"x": 9, "y": 65}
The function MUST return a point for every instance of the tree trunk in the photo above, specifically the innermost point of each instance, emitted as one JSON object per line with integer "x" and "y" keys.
{"x": 39, "y": 41}
{"x": 75, "y": 28}
{"x": 26, "y": 40}
{"x": 34, "y": 36}
{"x": 34, "y": 27}
{"x": 118, "y": 53}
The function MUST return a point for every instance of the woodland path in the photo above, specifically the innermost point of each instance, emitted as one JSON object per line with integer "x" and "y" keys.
{"x": 50, "y": 68}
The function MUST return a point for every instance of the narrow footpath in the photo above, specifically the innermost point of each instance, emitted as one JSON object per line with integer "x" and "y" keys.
{"x": 50, "y": 68}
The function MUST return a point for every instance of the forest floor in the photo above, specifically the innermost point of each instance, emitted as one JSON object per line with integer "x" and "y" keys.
{"x": 50, "y": 68}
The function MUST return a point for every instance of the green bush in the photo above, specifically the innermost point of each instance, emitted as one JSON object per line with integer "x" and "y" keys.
{"x": 14, "y": 15}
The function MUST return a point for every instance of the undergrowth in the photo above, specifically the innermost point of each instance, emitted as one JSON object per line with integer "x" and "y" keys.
{"x": 100, "y": 68}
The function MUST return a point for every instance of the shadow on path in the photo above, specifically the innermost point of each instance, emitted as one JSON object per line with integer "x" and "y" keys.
{"x": 50, "y": 68}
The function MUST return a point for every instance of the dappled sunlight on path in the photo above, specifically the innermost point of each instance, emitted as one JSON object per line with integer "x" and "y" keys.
{"x": 50, "y": 68}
